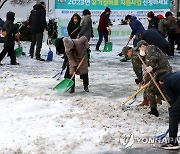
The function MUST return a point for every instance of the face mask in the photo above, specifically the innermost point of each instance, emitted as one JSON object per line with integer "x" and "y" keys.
{"x": 75, "y": 20}
{"x": 149, "y": 18}
{"x": 142, "y": 53}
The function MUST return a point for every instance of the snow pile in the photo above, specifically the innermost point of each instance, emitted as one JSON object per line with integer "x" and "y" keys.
{"x": 36, "y": 119}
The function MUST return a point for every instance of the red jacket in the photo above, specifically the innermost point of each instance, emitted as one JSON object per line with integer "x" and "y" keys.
{"x": 103, "y": 23}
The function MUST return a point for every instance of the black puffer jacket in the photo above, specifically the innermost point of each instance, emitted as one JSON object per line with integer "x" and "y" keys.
{"x": 153, "y": 23}
{"x": 37, "y": 19}
{"x": 11, "y": 30}
{"x": 73, "y": 26}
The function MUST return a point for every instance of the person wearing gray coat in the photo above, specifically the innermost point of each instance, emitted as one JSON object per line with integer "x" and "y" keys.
{"x": 86, "y": 25}
{"x": 75, "y": 50}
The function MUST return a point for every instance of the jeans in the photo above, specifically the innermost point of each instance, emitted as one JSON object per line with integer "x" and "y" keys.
{"x": 101, "y": 35}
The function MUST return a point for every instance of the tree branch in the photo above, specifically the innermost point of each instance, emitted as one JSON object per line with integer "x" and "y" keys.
{"x": 3, "y": 3}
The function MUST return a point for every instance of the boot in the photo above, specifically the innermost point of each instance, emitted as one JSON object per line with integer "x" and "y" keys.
{"x": 72, "y": 90}
{"x": 154, "y": 111}
{"x": 144, "y": 103}
{"x": 40, "y": 59}
{"x": 158, "y": 100}
{"x": 86, "y": 89}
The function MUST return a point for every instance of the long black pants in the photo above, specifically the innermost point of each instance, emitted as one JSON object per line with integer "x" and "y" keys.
{"x": 11, "y": 53}
{"x": 174, "y": 119}
{"x": 36, "y": 40}
{"x": 85, "y": 79}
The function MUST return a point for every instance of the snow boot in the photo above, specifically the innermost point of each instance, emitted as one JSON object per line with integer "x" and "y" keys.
{"x": 154, "y": 111}
{"x": 72, "y": 90}
{"x": 144, "y": 103}
{"x": 86, "y": 89}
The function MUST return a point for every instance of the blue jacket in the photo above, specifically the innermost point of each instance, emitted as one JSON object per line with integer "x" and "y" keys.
{"x": 136, "y": 26}
{"x": 172, "y": 90}
{"x": 153, "y": 37}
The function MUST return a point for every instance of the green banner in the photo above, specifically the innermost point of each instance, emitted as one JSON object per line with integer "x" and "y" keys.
{"x": 113, "y": 4}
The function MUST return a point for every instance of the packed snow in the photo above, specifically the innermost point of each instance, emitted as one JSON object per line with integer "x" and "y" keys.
{"x": 37, "y": 119}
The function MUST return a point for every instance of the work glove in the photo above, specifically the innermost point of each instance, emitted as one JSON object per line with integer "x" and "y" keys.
{"x": 148, "y": 69}
{"x": 131, "y": 36}
{"x": 138, "y": 81}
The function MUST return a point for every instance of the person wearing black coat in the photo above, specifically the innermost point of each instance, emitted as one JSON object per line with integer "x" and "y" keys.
{"x": 154, "y": 37}
{"x": 9, "y": 40}
{"x": 73, "y": 27}
{"x": 153, "y": 20}
{"x": 37, "y": 21}
{"x": 171, "y": 84}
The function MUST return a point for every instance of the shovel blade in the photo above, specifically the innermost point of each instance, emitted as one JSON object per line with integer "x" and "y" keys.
{"x": 108, "y": 47}
{"x": 18, "y": 51}
{"x": 64, "y": 86}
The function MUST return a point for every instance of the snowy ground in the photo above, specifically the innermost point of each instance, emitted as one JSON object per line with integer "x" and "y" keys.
{"x": 36, "y": 119}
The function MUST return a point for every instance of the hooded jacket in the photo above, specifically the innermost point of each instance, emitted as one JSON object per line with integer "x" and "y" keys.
{"x": 136, "y": 26}
{"x": 11, "y": 30}
{"x": 37, "y": 19}
{"x": 72, "y": 26}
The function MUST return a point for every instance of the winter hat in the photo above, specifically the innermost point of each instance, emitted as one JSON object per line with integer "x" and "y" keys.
{"x": 86, "y": 12}
{"x": 160, "y": 16}
{"x": 10, "y": 16}
{"x": 68, "y": 44}
{"x": 125, "y": 50}
{"x": 142, "y": 42}
{"x": 107, "y": 9}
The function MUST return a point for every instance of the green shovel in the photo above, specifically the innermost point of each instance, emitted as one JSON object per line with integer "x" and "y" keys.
{"x": 108, "y": 45}
{"x": 66, "y": 84}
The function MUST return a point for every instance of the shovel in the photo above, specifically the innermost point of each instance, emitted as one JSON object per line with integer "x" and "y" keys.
{"x": 50, "y": 53}
{"x": 108, "y": 45}
{"x": 66, "y": 84}
{"x": 138, "y": 91}
{"x": 19, "y": 50}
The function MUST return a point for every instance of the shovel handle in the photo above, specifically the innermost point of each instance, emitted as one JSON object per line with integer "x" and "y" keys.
{"x": 78, "y": 67}
{"x": 138, "y": 91}
{"x": 128, "y": 42}
{"x": 48, "y": 39}
{"x": 155, "y": 82}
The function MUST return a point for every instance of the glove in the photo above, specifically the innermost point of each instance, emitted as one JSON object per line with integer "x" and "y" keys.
{"x": 148, "y": 69}
{"x": 108, "y": 28}
{"x": 131, "y": 36}
{"x": 138, "y": 81}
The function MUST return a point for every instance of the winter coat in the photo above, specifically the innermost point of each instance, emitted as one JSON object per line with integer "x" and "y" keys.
{"x": 136, "y": 26}
{"x": 153, "y": 23}
{"x": 86, "y": 27}
{"x": 173, "y": 26}
{"x": 162, "y": 26}
{"x": 11, "y": 29}
{"x": 172, "y": 90}
{"x": 153, "y": 37}
{"x": 137, "y": 65}
{"x": 74, "y": 59}
{"x": 156, "y": 59}
{"x": 103, "y": 23}
{"x": 37, "y": 19}
{"x": 72, "y": 26}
